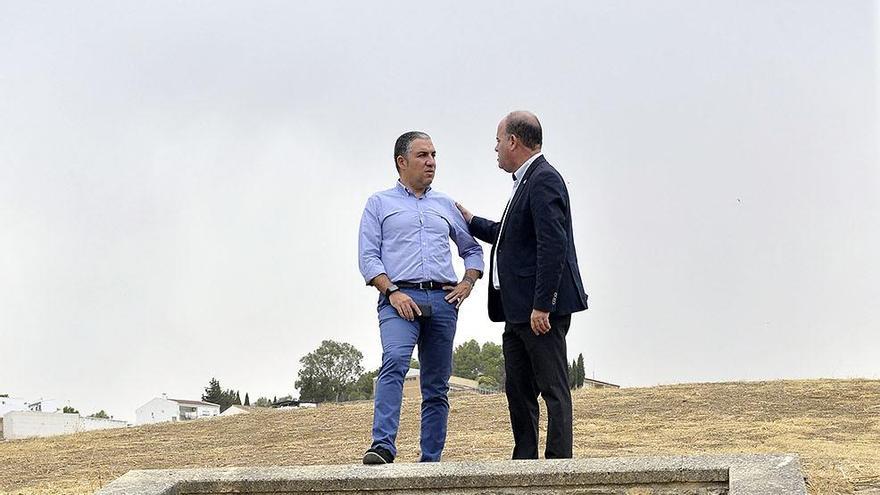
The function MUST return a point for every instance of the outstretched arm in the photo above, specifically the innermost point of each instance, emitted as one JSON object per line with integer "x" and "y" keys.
{"x": 481, "y": 228}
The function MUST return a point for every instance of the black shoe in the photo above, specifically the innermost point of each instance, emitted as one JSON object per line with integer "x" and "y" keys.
{"x": 378, "y": 455}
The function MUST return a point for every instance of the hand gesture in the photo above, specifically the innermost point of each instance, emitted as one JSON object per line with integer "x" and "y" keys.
{"x": 468, "y": 216}
{"x": 405, "y": 306}
{"x": 459, "y": 293}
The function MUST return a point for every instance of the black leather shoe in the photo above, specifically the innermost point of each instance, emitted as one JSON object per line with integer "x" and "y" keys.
{"x": 378, "y": 455}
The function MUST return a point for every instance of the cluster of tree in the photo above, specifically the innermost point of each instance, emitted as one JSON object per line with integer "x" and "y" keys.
{"x": 69, "y": 410}
{"x": 484, "y": 364}
{"x": 576, "y": 374}
{"x": 333, "y": 373}
{"x": 224, "y": 398}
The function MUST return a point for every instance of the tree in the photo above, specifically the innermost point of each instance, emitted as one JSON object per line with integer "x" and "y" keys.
{"x": 213, "y": 392}
{"x": 247, "y": 400}
{"x": 228, "y": 398}
{"x": 329, "y": 372}
{"x": 100, "y": 415}
{"x": 466, "y": 360}
{"x": 572, "y": 375}
{"x": 492, "y": 358}
{"x": 414, "y": 363}
{"x": 223, "y": 398}
{"x": 581, "y": 374}
{"x": 363, "y": 388}
{"x": 262, "y": 402}
{"x": 471, "y": 361}
{"x": 69, "y": 410}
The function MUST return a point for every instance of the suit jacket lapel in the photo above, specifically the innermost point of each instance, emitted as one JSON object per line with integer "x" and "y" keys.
{"x": 520, "y": 190}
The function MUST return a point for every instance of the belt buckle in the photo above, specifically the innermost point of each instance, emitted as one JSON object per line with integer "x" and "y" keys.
{"x": 424, "y": 285}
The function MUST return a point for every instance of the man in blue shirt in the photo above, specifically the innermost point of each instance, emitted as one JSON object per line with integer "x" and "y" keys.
{"x": 405, "y": 254}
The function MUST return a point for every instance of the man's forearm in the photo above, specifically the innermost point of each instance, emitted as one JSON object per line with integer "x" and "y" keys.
{"x": 381, "y": 282}
{"x": 471, "y": 275}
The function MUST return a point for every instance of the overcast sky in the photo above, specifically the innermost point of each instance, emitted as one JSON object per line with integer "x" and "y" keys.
{"x": 181, "y": 182}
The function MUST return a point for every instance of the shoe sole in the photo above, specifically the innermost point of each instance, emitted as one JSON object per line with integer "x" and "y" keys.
{"x": 374, "y": 458}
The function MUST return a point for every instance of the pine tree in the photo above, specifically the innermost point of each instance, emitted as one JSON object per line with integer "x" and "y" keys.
{"x": 237, "y": 399}
{"x": 572, "y": 375}
{"x": 581, "y": 374}
{"x": 213, "y": 392}
{"x": 247, "y": 400}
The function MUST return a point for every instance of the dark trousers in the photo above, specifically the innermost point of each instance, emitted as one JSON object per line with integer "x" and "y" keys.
{"x": 538, "y": 364}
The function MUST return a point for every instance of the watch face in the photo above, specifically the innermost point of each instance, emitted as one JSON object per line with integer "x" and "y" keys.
{"x": 391, "y": 288}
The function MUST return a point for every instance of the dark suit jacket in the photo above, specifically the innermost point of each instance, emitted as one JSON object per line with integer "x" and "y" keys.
{"x": 537, "y": 263}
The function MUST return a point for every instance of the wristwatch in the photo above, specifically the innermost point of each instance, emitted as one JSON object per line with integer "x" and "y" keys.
{"x": 391, "y": 289}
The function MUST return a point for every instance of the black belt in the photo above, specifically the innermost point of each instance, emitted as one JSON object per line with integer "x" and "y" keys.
{"x": 430, "y": 285}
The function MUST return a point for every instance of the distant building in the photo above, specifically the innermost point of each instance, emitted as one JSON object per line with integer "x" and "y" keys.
{"x": 590, "y": 383}
{"x": 163, "y": 409}
{"x": 8, "y": 404}
{"x": 45, "y": 405}
{"x": 412, "y": 385}
{"x": 237, "y": 409}
{"x": 27, "y": 424}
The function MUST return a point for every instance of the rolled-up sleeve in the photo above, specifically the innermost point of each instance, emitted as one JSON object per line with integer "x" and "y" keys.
{"x": 370, "y": 241}
{"x": 468, "y": 248}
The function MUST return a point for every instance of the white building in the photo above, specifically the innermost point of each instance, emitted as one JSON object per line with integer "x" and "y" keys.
{"x": 45, "y": 405}
{"x": 8, "y": 404}
{"x": 162, "y": 409}
{"x": 236, "y": 409}
{"x": 27, "y": 424}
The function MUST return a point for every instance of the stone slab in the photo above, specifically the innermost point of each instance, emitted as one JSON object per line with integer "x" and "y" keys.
{"x": 748, "y": 474}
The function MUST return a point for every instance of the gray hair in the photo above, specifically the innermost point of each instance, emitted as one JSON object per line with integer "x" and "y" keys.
{"x": 403, "y": 145}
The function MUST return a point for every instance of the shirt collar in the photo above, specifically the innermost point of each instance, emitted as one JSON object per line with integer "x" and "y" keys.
{"x": 405, "y": 190}
{"x": 521, "y": 171}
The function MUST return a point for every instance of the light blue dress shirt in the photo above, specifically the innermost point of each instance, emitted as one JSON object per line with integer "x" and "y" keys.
{"x": 407, "y": 238}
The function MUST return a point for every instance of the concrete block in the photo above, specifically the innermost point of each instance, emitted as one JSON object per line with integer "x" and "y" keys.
{"x": 695, "y": 475}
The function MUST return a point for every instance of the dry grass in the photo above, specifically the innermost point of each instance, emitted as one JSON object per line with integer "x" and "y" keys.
{"x": 833, "y": 424}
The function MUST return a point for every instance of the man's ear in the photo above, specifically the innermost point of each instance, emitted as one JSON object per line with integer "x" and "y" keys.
{"x": 401, "y": 162}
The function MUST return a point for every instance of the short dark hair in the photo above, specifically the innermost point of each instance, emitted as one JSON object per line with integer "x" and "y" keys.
{"x": 404, "y": 144}
{"x": 526, "y": 127}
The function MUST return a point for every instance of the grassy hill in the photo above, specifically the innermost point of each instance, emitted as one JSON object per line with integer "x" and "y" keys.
{"x": 833, "y": 424}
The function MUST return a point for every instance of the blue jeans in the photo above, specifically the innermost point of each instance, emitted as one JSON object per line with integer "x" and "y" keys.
{"x": 434, "y": 337}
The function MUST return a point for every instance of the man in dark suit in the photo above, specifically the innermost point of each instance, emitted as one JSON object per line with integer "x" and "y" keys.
{"x": 534, "y": 287}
